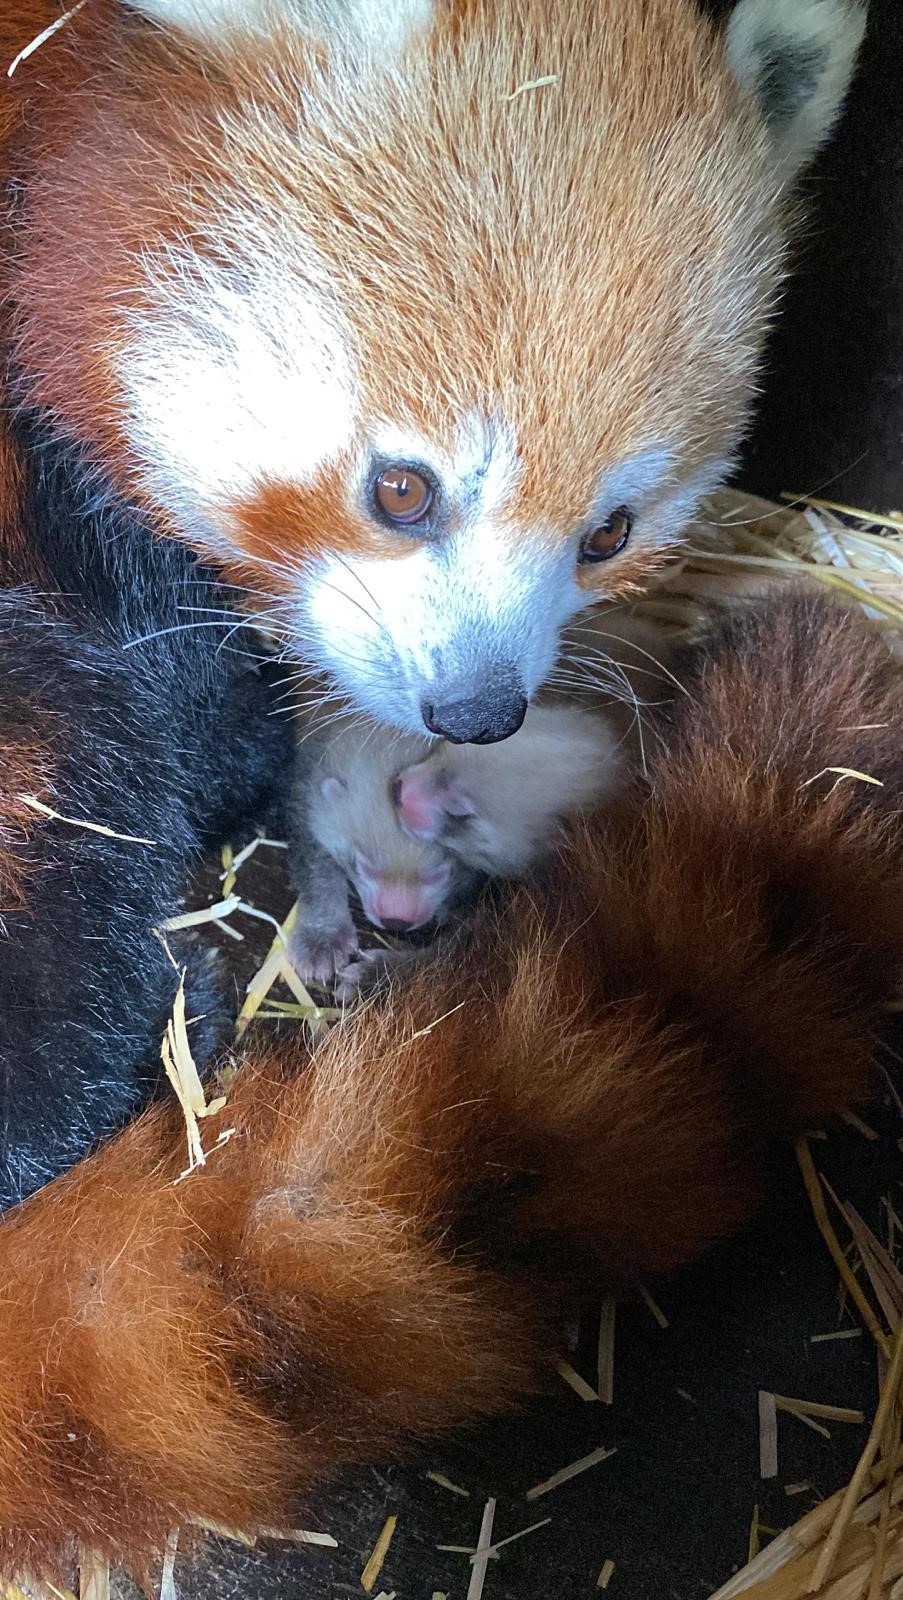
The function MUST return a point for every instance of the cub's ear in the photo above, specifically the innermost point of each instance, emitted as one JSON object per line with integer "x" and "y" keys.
{"x": 376, "y": 23}
{"x": 425, "y": 796}
{"x": 333, "y": 789}
{"x": 797, "y": 57}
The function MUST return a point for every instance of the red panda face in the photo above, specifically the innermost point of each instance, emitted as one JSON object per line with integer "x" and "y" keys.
{"x": 432, "y": 343}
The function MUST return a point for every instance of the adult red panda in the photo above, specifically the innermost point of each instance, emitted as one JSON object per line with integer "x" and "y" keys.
{"x": 430, "y": 321}
{"x": 424, "y": 352}
{"x": 591, "y": 1086}
{"x": 427, "y": 354}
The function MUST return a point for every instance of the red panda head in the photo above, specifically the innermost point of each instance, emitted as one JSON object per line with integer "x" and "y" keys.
{"x": 430, "y": 320}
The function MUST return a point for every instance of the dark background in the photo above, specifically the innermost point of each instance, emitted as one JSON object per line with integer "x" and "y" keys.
{"x": 832, "y": 411}
{"x": 673, "y": 1508}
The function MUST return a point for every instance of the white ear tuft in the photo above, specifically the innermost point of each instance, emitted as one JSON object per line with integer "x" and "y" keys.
{"x": 373, "y": 23}
{"x": 798, "y": 57}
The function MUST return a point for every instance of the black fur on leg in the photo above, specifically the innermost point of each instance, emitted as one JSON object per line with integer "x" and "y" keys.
{"x": 153, "y": 728}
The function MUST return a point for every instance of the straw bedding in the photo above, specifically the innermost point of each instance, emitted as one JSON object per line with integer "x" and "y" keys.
{"x": 479, "y": 1112}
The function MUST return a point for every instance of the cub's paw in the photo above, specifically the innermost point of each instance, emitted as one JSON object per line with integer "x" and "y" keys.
{"x": 317, "y": 954}
{"x": 373, "y": 968}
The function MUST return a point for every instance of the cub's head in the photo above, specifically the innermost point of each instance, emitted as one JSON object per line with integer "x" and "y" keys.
{"x": 430, "y": 320}
{"x": 402, "y": 881}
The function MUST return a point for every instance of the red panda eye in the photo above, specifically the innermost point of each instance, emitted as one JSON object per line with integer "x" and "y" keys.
{"x": 404, "y": 495}
{"x": 606, "y": 540}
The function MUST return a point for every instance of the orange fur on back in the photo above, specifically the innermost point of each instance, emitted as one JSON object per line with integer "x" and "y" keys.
{"x": 594, "y": 1081}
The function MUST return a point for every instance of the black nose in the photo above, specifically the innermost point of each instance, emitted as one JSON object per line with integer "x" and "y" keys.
{"x": 483, "y": 719}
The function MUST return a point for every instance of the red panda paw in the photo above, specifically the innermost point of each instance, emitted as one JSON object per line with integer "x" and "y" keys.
{"x": 319, "y": 953}
{"x": 371, "y": 969}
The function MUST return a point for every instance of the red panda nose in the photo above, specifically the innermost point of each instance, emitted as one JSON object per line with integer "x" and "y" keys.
{"x": 483, "y": 719}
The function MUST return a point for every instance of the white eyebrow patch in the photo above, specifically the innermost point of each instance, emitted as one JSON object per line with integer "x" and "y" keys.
{"x": 231, "y": 383}
{"x": 372, "y": 23}
{"x": 637, "y": 479}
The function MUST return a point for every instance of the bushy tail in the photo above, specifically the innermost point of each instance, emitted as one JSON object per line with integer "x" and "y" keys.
{"x": 595, "y": 1080}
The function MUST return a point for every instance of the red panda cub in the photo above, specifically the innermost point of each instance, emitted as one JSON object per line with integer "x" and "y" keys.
{"x": 414, "y": 825}
{"x": 428, "y": 321}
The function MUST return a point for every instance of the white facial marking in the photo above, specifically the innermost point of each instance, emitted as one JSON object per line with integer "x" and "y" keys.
{"x": 211, "y": 18}
{"x": 372, "y": 23}
{"x": 634, "y": 481}
{"x": 231, "y": 383}
{"x": 678, "y": 507}
{"x": 432, "y": 626}
{"x": 478, "y": 476}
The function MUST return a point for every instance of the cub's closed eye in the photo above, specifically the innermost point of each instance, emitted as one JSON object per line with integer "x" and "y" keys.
{"x": 403, "y": 495}
{"x": 608, "y": 538}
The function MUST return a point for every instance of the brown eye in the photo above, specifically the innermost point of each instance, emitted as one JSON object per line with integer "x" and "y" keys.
{"x": 610, "y": 537}
{"x": 403, "y": 495}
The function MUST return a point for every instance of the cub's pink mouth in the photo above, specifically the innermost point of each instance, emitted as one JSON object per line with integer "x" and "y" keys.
{"x": 401, "y": 907}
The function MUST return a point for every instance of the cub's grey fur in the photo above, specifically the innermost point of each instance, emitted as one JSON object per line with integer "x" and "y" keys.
{"x": 414, "y": 824}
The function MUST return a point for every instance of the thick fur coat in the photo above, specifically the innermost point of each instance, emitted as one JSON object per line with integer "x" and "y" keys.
{"x": 244, "y": 268}
{"x": 595, "y": 1081}
{"x": 111, "y": 712}
{"x": 307, "y": 243}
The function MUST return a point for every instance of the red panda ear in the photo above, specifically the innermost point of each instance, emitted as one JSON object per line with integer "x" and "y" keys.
{"x": 425, "y": 797}
{"x": 374, "y": 22}
{"x": 456, "y": 799}
{"x": 797, "y": 57}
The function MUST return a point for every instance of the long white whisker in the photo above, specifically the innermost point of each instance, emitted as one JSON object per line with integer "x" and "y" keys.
{"x": 352, "y": 602}
{"x": 631, "y": 644}
{"x": 181, "y": 627}
{"x": 370, "y": 596}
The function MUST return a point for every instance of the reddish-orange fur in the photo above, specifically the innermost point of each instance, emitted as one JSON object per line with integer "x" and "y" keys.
{"x": 380, "y": 1245}
{"x": 318, "y": 519}
{"x": 18, "y": 25}
{"x": 674, "y": 206}
{"x": 27, "y": 764}
{"x": 597, "y": 1078}
{"x": 25, "y": 769}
